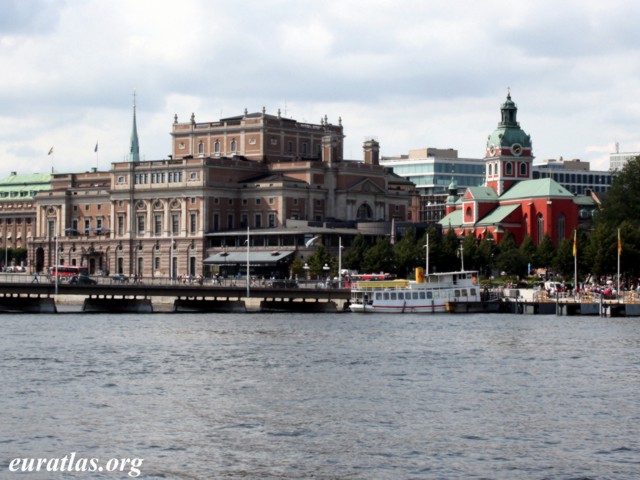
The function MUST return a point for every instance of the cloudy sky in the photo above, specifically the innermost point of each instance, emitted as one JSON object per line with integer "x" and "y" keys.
{"x": 411, "y": 73}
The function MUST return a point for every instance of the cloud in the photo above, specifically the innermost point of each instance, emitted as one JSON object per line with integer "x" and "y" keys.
{"x": 414, "y": 74}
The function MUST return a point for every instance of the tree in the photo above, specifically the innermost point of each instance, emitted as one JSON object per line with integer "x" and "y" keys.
{"x": 406, "y": 254}
{"x": 470, "y": 251}
{"x": 623, "y": 197}
{"x": 379, "y": 258}
{"x": 545, "y": 252}
{"x": 354, "y": 256}
{"x": 510, "y": 259}
{"x": 564, "y": 261}
{"x": 318, "y": 260}
{"x": 528, "y": 250}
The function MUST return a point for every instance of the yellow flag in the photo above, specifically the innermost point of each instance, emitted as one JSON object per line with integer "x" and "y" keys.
{"x": 619, "y": 243}
{"x": 575, "y": 245}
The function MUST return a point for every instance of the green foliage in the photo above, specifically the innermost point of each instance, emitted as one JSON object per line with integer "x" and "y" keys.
{"x": 318, "y": 260}
{"x": 564, "y": 261}
{"x": 406, "y": 254}
{"x": 545, "y": 253}
{"x": 379, "y": 258}
{"x": 354, "y": 255}
{"x": 621, "y": 202}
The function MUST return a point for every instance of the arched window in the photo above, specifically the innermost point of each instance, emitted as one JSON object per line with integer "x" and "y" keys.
{"x": 523, "y": 169}
{"x": 216, "y": 147}
{"x": 234, "y": 146}
{"x": 526, "y": 225}
{"x": 201, "y": 148}
{"x": 508, "y": 168}
{"x": 490, "y": 169}
{"x": 540, "y": 228}
{"x": 364, "y": 212}
{"x": 560, "y": 228}
{"x": 468, "y": 213}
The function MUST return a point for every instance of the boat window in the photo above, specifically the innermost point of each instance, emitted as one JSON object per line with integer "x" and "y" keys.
{"x": 393, "y": 295}
{"x": 386, "y": 295}
{"x": 429, "y": 295}
{"x": 473, "y": 291}
{"x": 378, "y": 296}
{"x": 464, "y": 292}
{"x": 421, "y": 295}
{"x": 457, "y": 293}
{"x": 415, "y": 295}
{"x": 400, "y": 296}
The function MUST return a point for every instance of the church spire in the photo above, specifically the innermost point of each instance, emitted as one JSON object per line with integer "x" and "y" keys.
{"x": 134, "y": 150}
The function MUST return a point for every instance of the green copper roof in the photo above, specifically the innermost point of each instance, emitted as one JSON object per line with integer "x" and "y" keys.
{"x": 542, "y": 187}
{"x": 454, "y": 219}
{"x": 483, "y": 193}
{"x": 499, "y": 214}
{"x": 25, "y": 186}
{"x": 509, "y": 131}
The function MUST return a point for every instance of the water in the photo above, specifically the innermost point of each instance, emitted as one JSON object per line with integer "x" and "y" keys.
{"x": 324, "y": 396}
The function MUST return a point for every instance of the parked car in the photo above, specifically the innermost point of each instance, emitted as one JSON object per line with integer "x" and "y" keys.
{"x": 82, "y": 280}
{"x": 119, "y": 278}
{"x": 284, "y": 283}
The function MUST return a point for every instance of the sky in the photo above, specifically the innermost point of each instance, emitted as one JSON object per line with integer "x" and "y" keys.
{"x": 411, "y": 74}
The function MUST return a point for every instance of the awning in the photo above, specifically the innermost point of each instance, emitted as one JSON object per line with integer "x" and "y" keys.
{"x": 255, "y": 258}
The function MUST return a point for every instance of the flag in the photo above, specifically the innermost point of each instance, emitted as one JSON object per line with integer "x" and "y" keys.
{"x": 619, "y": 243}
{"x": 575, "y": 246}
{"x": 50, "y": 151}
{"x": 96, "y": 149}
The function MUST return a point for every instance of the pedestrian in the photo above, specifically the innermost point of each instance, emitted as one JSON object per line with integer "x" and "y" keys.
{"x": 35, "y": 278}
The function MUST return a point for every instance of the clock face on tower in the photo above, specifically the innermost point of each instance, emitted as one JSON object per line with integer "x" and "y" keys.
{"x": 516, "y": 149}
{"x": 492, "y": 150}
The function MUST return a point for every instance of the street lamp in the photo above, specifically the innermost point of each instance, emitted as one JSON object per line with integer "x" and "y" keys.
{"x": 306, "y": 271}
{"x": 339, "y": 262}
{"x": 248, "y": 265}
{"x": 426, "y": 272}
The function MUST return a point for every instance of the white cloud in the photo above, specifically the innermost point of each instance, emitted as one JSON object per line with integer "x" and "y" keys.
{"x": 414, "y": 74}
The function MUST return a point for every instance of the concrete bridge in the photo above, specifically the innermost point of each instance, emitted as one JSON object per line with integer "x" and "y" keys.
{"x": 138, "y": 298}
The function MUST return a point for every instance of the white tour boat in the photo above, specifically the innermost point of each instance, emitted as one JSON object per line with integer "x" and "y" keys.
{"x": 438, "y": 292}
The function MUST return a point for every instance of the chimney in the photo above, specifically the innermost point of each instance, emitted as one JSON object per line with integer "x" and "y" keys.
{"x": 371, "y": 152}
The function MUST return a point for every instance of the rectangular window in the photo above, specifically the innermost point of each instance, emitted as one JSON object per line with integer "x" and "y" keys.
{"x": 272, "y": 220}
{"x": 272, "y": 200}
{"x": 258, "y": 222}
{"x": 175, "y": 224}
{"x": 230, "y": 221}
{"x": 140, "y": 224}
{"x": 120, "y": 224}
{"x": 87, "y": 225}
{"x": 193, "y": 222}
{"x": 216, "y": 222}
{"x": 157, "y": 224}
{"x": 258, "y": 201}
{"x": 99, "y": 223}
{"x": 244, "y": 220}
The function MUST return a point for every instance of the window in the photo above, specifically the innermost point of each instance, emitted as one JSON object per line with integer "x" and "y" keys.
{"x": 193, "y": 176}
{"x": 201, "y": 149}
{"x": 244, "y": 220}
{"x": 245, "y": 201}
{"x": 193, "y": 222}
{"x": 121, "y": 179}
{"x": 508, "y": 168}
{"x": 258, "y": 222}
{"x": 216, "y": 222}
{"x": 140, "y": 224}
{"x": 523, "y": 169}
{"x": 175, "y": 223}
{"x": 99, "y": 223}
{"x": 305, "y": 148}
{"x": 87, "y": 225}
{"x": 156, "y": 263}
{"x": 157, "y": 224}
{"x": 230, "y": 221}
{"x": 258, "y": 201}
{"x": 234, "y": 146}
{"x": 560, "y": 228}
{"x": 290, "y": 147}
{"x": 272, "y": 220}
{"x": 216, "y": 147}
{"x": 272, "y": 200}
{"x": 120, "y": 224}
{"x": 540, "y": 228}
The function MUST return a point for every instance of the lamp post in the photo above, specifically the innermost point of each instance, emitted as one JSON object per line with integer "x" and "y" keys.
{"x": 248, "y": 265}
{"x": 171, "y": 259}
{"x": 339, "y": 262}
{"x": 426, "y": 262}
{"x": 462, "y": 257}
{"x": 306, "y": 271}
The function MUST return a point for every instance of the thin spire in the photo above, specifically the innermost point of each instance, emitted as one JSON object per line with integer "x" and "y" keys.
{"x": 134, "y": 150}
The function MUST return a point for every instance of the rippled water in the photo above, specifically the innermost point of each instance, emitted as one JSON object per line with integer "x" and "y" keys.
{"x": 325, "y": 396}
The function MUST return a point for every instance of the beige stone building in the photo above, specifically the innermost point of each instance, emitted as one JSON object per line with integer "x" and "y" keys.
{"x": 255, "y": 172}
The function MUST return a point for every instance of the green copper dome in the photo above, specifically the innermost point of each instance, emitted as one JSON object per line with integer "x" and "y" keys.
{"x": 509, "y": 138}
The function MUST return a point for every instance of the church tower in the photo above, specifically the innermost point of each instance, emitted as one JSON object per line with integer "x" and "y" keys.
{"x": 134, "y": 148}
{"x": 509, "y": 156}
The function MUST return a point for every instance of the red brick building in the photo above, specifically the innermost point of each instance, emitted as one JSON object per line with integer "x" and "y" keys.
{"x": 511, "y": 200}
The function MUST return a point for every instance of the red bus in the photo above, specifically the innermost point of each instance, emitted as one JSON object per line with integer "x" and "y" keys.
{"x": 66, "y": 272}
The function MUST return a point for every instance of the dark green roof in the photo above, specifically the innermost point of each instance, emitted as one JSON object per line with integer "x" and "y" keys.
{"x": 26, "y": 186}
{"x": 499, "y": 214}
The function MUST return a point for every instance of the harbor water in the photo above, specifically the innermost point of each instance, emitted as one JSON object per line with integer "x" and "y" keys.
{"x": 335, "y": 396}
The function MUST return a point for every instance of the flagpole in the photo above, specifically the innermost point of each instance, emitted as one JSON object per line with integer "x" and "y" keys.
{"x": 575, "y": 263}
{"x": 619, "y": 251}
